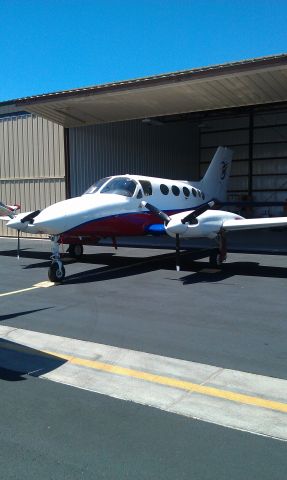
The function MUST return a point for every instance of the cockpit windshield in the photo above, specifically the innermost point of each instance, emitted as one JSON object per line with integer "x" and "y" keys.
{"x": 96, "y": 186}
{"x": 120, "y": 186}
{"x": 117, "y": 185}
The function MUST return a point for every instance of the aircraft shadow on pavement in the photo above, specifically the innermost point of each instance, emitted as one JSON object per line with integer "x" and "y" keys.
{"x": 25, "y": 253}
{"x": 9, "y": 316}
{"x": 45, "y": 256}
{"x": 117, "y": 266}
{"x": 18, "y": 362}
{"x": 120, "y": 267}
{"x": 229, "y": 270}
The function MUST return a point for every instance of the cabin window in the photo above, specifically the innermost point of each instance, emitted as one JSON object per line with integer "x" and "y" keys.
{"x": 120, "y": 186}
{"x": 175, "y": 190}
{"x": 164, "y": 189}
{"x": 193, "y": 192}
{"x": 147, "y": 188}
{"x": 96, "y": 186}
{"x": 186, "y": 191}
{"x": 140, "y": 194}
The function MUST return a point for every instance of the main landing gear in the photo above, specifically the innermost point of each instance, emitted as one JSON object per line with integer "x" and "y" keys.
{"x": 56, "y": 272}
{"x": 219, "y": 255}
{"x": 76, "y": 250}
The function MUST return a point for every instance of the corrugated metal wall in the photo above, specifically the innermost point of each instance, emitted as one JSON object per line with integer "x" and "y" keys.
{"x": 32, "y": 165}
{"x": 132, "y": 147}
{"x": 269, "y": 165}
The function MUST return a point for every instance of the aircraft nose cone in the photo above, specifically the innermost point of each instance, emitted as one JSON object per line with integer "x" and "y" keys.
{"x": 14, "y": 223}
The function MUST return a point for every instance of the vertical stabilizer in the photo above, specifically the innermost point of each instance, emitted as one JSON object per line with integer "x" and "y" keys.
{"x": 214, "y": 182}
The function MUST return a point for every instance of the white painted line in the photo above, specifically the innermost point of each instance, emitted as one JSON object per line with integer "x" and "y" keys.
{"x": 45, "y": 284}
{"x": 230, "y": 398}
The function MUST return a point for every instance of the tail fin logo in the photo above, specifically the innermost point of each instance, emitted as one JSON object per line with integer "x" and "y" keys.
{"x": 224, "y": 166}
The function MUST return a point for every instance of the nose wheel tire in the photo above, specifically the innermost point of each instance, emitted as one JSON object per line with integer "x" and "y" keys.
{"x": 76, "y": 250}
{"x": 56, "y": 273}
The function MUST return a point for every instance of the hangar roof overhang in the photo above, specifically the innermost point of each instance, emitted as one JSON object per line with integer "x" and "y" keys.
{"x": 250, "y": 82}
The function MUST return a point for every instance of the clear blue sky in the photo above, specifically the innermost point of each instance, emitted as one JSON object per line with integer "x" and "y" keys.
{"x": 51, "y": 45}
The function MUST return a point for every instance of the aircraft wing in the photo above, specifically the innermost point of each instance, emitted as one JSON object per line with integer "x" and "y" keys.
{"x": 252, "y": 223}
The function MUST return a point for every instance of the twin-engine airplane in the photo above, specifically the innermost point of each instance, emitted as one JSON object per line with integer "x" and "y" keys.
{"x": 129, "y": 205}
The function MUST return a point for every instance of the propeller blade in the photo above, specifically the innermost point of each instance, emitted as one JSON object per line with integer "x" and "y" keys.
{"x": 30, "y": 216}
{"x": 166, "y": 219}
{"x": 156, "y": 211}
{"x": 192, "y": 217}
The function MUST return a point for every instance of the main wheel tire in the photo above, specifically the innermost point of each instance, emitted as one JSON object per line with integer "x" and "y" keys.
{"x": 215, "y": 259}
{"x": 56, "y": 274}
{"x": 76, "y": 250}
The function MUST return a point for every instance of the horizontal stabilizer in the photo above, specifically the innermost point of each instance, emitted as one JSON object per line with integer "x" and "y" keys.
{"x": 252, "y": 223}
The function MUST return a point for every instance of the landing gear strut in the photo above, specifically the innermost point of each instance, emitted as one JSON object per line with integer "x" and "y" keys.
{"x": 218, "y": 256}
{"x": 56, "y": 272}
{"x": 75, "y": 250}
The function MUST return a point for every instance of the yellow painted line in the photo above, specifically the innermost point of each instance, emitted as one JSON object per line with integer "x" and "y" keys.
{"x": 37, "y": 285}
{"x": 175, "y": 383}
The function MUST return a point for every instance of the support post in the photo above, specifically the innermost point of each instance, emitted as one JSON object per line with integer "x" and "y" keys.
{"x": 67, "y": 162}
{"x": 250, "y": 153}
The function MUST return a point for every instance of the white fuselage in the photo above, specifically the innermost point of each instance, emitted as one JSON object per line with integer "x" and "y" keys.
{"x": 101, "y": 213}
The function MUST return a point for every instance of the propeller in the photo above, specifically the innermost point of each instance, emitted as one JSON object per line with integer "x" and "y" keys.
{"x": 191, "y": 219}
{"x": 156, "y": 211}
{"x": 30, "y": 217}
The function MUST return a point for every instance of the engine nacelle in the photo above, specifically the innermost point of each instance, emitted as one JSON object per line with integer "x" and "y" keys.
{"x": 208, "y": 224}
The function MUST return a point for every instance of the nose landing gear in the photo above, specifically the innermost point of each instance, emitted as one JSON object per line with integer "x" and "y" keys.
{"x": 56, "y": 272}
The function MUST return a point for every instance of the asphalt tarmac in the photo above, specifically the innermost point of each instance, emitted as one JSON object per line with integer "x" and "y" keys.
{"x": 134, "y": 299}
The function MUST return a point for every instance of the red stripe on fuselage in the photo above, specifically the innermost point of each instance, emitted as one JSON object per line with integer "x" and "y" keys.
{"x": 119, "y": 225}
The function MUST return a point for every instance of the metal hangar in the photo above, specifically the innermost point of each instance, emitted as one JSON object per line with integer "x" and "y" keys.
{"x": 55, "y": 145}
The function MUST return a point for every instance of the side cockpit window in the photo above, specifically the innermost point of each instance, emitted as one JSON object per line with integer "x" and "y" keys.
{"x": 146, "y": 186}
{"x": 96, "y": 186}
